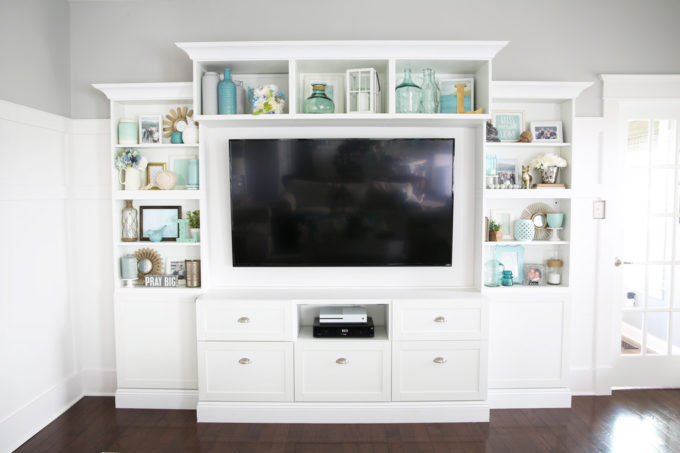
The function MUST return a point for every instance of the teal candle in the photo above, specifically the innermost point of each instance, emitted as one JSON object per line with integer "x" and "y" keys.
{"x": 127, "y": 132}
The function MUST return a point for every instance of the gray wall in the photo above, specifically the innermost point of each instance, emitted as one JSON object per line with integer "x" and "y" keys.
{"x": 35, "y": 61}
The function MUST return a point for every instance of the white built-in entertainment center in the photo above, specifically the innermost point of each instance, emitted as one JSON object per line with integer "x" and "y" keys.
{"x": 446, "y": 348}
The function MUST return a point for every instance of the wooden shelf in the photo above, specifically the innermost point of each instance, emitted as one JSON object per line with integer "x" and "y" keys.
{"x": 157, "y": 194}
{"x": 527, "y": 145}
{"x": 527, "y": 243}
{"x": 157, "y": 145}
{"x": 527, "y": 193}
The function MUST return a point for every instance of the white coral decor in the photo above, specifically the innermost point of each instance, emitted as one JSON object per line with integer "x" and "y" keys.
{"x": 548, "y": 160}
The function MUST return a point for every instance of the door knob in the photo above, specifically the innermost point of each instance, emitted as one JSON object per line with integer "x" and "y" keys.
{"x": 618, "y": 262}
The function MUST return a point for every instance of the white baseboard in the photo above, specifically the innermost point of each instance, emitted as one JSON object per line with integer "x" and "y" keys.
{"x": 453, "y": 412}
{"x": 27, "y": 421}
{"x": 582, "y": 381}
{"x": 529, "y": 398}
{"x": 97, "y": 382}
{"x": 156, "y": 399}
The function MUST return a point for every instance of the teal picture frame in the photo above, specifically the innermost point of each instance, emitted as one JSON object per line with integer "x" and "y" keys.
{"x": 510, "y": 124}
{"x": 512, "y": 258}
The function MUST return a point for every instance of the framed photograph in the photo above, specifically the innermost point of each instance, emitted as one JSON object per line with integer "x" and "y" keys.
{"x": 509, "y": 123}
{"x": 547, "y": 131}
{"x": 152, "y": 169}
{"x": 335, "y": 88}
{"x": 175, "y": 266}
{"x": 448, "y": 88}
{"x": 534, "y": 274}
{"x": 508, "y": 170}
{"x": 180, "y": 165}
{"x": 156, "y": 217}
{"x": 504, "y": 218}
{"x": 512, "y": 259}
{"x": 149, "y": 128}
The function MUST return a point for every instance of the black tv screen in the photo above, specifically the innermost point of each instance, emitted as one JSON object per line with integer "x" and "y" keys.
{"x": 341, "y": 202}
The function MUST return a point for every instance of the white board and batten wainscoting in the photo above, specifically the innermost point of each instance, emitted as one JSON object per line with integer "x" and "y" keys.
{"x": 446, "y": 349}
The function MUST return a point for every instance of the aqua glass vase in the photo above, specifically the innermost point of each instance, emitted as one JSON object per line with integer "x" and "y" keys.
{"x": 429, "y": 96}
{"x": 408, "y": 95}
{"x": 226, "y": 95}
{"x": 318, "y": 102}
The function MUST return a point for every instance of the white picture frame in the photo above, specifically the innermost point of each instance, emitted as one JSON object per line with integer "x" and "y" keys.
{"x": 150, "y": 132}
{"x": 335, "y": 88}
{"x": 505, "y": 218}
{"x": 178, "y": 165}
{"x": 547, "y": 131}
{"x": 447, "y": 86}
{"x": 509, "y": 124}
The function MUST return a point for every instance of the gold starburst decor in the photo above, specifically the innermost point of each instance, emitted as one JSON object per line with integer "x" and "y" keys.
{"x": 176, "y": 120}
{"x": 149, "y": 263}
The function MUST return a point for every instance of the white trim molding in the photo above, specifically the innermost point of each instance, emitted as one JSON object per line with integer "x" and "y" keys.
{"x": 538, "y": 90}
{"x": 392, "y": 412}
{"x": 640, "y": 87}
{"x": 529, "y": 398}
{"x": 156, "y": 399}
{"x": 146, "y": 91}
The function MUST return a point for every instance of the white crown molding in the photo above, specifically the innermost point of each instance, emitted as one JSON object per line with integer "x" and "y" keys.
{"x": 641, "y": 86}
{"x": 146, "y": 91}
{"x": 281, "y": 50}
{"x": 537, "y": 89}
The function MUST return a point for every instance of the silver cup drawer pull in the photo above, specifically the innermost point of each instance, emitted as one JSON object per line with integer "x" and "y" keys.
{"x": 439, "y": 360}
{"x": 244, "y": 361}
{"x": 243, "y": 320}
{"x": 342, "y": 361}
{"x": 440, "y": 319}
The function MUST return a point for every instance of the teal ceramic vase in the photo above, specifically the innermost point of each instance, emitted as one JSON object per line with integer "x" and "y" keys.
{"x": 318, "y": 102}
{"x": 408, "y": 95}
{"x": 524, "y": 230}
{"x": 226, "y": 95}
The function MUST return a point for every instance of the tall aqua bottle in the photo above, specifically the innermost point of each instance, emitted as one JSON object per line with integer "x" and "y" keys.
{"x": 226, "y": 95}
{"x": 429, "y": 102}
{"x": 408, "y": 95}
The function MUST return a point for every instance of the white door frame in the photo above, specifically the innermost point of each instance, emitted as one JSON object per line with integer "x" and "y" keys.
{"x": 618, "y": 90}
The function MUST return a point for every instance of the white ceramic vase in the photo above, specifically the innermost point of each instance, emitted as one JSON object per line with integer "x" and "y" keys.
{"x": 132, "y": 179}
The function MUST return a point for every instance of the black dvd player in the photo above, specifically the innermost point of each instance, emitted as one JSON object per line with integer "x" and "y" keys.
{"x": 338, "y": 330}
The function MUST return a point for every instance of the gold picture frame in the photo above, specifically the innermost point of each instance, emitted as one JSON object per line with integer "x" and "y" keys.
{"x": 152, "y": 169}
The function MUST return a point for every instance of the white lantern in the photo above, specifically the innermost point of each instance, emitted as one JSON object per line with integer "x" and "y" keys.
{"x": 362, "y": 89}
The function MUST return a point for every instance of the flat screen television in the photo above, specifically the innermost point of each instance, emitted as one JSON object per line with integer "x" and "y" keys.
{"x": 341, "y": 202}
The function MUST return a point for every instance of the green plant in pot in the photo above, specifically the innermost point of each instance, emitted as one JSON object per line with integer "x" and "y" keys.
{"x": 495, "y": 233}
{"x": 195, "y": 223}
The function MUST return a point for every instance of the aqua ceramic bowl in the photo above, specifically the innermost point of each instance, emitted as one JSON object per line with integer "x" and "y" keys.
{"x": 555, "y": 220}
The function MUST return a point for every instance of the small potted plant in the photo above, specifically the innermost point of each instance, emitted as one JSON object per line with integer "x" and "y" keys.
{"x": 495, "y": 233}
{"x": 195, "y": 223}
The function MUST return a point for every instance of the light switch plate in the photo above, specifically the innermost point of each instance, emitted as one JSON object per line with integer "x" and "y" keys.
{"x": 599, "y": 209}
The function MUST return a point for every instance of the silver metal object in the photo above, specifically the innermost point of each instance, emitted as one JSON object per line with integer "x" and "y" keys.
{"x": 244, "y": 361}
{"x": 342, "y": 361}
{"x": 618, "y": 262}
{"x": 440, "y": 319}
{"x": 439, "y": 360}
{"x": 243, "y": 320}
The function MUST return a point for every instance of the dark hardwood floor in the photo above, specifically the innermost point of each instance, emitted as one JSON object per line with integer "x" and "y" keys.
{"x": 636, "y": 421}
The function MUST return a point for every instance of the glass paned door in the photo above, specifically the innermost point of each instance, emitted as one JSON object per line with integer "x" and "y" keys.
{"x": 650, "y": 310}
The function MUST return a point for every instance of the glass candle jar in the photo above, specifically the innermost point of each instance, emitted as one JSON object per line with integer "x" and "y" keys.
{"x": 127, "y": 132}
{"x": 555, "y": 271}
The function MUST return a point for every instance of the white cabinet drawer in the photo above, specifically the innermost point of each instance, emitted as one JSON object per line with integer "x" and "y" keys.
{"x": 354, "y": 370}
{"x": 254, "y": 320}
{"x": 439, "y": 370}
{"x": 439, "y": 320}
{"x": 245, "y": 371}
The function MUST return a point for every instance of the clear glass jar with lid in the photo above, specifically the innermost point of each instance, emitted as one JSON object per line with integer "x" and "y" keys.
{"x": 555, "y": 271}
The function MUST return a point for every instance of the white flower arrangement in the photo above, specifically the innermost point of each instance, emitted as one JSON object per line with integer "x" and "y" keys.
{"x": 548, "y": 160}
{"x": 268, "y": 99}
{"x": 130, "y": 158}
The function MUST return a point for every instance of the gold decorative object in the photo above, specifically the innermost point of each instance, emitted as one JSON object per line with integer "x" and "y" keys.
{"x": 176, "y": 120}
{"x": 526, "y": 137}
{"x": 146, "y": 256}
{"x": 460, "y": 99}
{"x": 536, "y": 210}
{"x": 526, "y": 177}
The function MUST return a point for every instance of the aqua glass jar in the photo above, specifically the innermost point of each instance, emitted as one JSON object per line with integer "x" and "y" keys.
{"x": 226, "y": 95}
{"x": 429, "y": 96}
{"x": 507, "y": 278}
{"x": 318, "y": 102}
{"x": 408, "y": 95}
{"x": 493, "y": 273}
